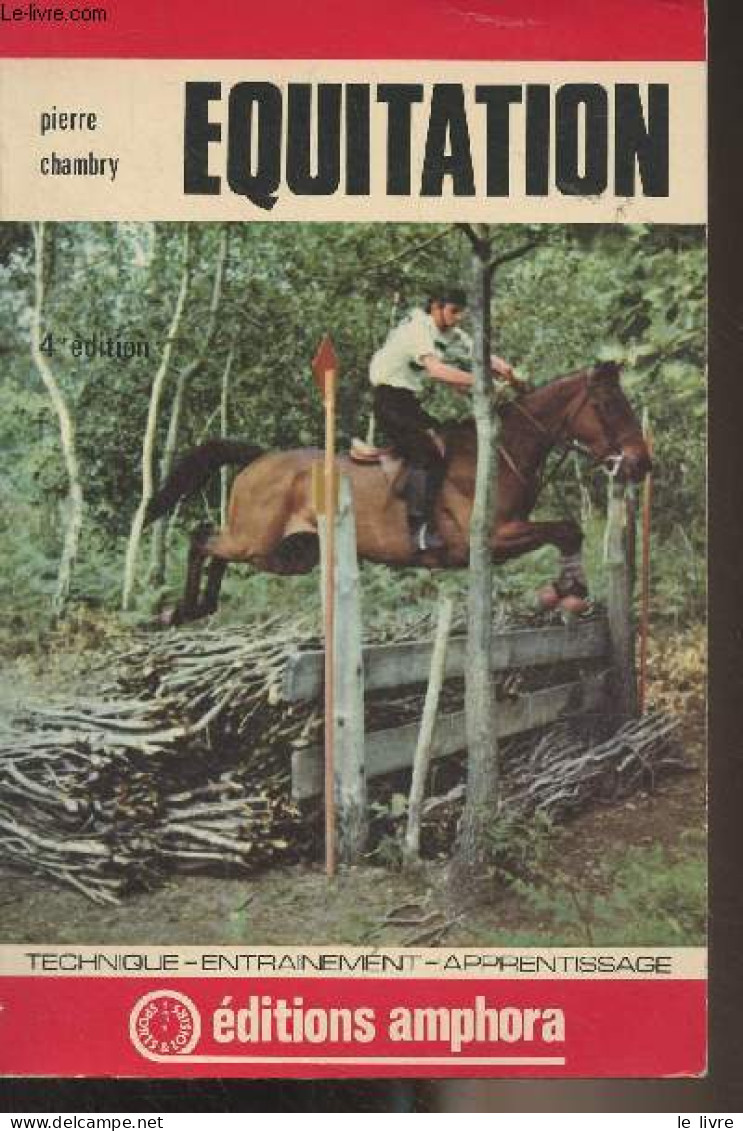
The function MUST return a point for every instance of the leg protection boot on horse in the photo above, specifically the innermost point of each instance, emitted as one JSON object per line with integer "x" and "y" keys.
{"x": 421, "y": 490}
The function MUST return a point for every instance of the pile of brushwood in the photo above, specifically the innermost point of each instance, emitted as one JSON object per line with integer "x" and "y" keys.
{"x": 181, "y": 761}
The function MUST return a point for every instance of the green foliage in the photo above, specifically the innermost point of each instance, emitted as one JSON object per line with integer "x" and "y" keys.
{"x": 679, "y": 577}
{"x": 653, "y": 896}
{"x": 388, "y": 852}
{"x": 520, "y": 847}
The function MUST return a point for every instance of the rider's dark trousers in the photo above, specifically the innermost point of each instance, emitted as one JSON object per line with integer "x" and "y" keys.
{"x": 406, "y": 423}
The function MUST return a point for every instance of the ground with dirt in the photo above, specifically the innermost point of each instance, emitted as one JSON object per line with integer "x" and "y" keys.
{"x": 619, "y": 873}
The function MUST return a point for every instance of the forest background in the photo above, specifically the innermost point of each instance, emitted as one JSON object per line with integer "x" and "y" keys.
{"x": 231, "y": 316}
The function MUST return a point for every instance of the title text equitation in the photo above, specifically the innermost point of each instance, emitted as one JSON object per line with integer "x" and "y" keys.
{"x": 426, "y": 140}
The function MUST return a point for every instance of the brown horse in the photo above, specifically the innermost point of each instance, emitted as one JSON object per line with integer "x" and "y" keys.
{"x": 272, "y": 522}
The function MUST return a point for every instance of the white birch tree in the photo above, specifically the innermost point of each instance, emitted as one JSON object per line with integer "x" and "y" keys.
{"x": 185, "y": 376}
{"x": 224, "y": 405}
{"x": 148, "y": 442}
{"x": 74, "y": 510}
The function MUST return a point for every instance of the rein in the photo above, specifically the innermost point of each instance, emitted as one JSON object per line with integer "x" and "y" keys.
{"x": 553, "y": 439}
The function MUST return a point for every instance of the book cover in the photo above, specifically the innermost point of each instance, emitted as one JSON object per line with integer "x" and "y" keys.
{"x": 353, "y": 463}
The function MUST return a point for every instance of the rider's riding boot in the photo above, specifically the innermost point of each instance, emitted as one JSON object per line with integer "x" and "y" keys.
{"x": 420, "y": 499}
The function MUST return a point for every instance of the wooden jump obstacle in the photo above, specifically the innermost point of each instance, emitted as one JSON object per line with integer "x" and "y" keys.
{"x": 605, "y": 644}
{"x": 393, "y": 666}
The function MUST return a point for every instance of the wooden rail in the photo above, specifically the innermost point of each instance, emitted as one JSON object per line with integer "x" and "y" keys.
{"x": 401, "y": 665}
{"x": 388, "y": 750}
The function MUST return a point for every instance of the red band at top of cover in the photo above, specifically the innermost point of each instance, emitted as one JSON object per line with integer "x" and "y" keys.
{"x": 600, "y": 30}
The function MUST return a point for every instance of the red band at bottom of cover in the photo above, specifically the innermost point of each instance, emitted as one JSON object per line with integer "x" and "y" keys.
{"x": 352, "y": 1027}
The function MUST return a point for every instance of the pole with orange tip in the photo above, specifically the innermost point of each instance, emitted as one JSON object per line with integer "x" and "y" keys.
{"x": 325, "y": 370}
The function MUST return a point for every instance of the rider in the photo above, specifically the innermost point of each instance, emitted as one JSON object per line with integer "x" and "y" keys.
{"x": 430, "y": 342}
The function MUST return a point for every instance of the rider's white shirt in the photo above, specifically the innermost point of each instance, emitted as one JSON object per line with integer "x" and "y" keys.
{"x": 399, "y": 362}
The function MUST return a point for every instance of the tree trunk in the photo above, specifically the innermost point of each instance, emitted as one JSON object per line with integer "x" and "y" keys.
{"x": 474, "y": 845}
{"x": 159, "y": 529}
{"x": 148, "y": 443}
{"x": 73, "y": 512}
{"x": 186, "y": 375}
{"x": 224, "y": 401}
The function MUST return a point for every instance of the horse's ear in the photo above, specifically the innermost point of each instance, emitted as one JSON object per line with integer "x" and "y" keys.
{"x": 604, "y": 371}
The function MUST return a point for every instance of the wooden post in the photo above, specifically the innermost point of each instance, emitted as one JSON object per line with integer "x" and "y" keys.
{"x": 325, "y": 370}
{"x": 329, "y": 572}
{"x": 631, "y": 503}
{"x": 422, "y": 756}
{"x": 348, "y": 721}
{"x": 619, "y": 602}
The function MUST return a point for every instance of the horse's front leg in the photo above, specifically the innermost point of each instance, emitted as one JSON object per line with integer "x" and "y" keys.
{"x": 512, "y": 539}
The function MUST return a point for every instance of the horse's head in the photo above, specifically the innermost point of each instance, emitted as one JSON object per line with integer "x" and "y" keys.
{"x": 601, "y": 419}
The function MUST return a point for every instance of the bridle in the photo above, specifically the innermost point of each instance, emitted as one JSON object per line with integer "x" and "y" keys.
{"x": 558, "y": 437}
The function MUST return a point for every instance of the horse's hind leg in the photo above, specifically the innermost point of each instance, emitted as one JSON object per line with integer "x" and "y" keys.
{"x": 188, "y": 608}
{"x": 214, "y": 574}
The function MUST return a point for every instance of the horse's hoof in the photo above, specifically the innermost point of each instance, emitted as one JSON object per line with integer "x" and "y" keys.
{"x": 548, "y": 597}
{"x": 573, "y": 605}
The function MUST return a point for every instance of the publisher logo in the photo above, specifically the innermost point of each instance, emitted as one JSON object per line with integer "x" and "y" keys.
{"x": 164, "y": 1023}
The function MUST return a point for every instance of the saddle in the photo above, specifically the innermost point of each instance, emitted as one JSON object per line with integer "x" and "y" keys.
{"x": 390, "y": 461}
{"x": 361, "y": 452}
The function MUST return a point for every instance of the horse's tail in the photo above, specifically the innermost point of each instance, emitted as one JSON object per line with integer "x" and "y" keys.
{"x": 193, "y": 470}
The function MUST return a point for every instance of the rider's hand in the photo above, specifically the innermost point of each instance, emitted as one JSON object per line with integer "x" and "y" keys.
{"x": 503, "y": 375}
{"x": 502, "y": 369}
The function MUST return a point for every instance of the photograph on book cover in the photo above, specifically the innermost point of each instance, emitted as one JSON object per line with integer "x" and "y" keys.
{"x": 354, "y": 632}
